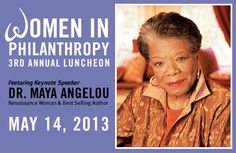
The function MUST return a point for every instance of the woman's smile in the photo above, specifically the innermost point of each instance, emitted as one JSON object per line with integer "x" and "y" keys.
{"x": 176, "y": 83}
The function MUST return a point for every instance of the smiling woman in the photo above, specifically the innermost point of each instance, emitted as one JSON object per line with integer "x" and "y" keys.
{"x": 171, "y": 58}
{"x": 179, "y": 107}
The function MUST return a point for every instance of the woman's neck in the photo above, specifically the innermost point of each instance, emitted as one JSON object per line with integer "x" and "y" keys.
{"x": 177, "y": 102}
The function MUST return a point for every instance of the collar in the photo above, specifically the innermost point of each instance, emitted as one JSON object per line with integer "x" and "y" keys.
{"x": 201, "y": 90}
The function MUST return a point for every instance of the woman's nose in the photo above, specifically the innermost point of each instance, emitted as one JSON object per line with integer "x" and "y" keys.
{"x": 172, "y": 68}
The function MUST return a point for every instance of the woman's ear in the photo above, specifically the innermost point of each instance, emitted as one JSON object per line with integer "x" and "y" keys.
{"x": 198, "y": 61}
{"x": 197, "y": 57}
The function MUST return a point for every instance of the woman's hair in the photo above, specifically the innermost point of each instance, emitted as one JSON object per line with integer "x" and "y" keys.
{"x": 169, "y": 25}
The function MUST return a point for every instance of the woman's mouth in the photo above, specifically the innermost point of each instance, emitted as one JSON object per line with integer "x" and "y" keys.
{"x": 175, "y": 83}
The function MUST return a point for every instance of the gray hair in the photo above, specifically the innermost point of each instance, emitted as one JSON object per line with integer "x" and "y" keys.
{"x": 168, "y": 25}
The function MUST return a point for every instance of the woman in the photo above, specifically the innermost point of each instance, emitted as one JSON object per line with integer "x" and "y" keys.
{"x": 179, "y": 107}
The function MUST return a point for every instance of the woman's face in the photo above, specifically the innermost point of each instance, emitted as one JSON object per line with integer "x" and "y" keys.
{"x": 175, "y": 68}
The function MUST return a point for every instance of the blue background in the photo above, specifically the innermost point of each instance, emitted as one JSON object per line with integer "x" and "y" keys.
{"x": 41, "y": 141}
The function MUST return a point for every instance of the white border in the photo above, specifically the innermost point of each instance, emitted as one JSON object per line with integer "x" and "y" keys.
{"x": 231, "y": 77}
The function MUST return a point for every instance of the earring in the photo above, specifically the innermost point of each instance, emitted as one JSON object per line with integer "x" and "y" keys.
{"x": 198, "y": 73}
{"x": 151, "y": 81}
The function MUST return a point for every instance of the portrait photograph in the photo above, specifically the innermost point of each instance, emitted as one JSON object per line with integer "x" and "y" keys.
{"x": 173, "y": 76}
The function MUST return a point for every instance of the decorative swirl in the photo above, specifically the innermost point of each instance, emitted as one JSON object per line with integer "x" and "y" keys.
{"x": 16, "y": 30}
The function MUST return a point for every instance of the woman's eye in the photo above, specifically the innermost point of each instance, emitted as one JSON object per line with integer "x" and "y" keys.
{"x": 158, "y": 63}
{"x": 181, "y": 59}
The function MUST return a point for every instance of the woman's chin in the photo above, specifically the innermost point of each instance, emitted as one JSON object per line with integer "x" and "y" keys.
{"x": 177, "y": 92}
